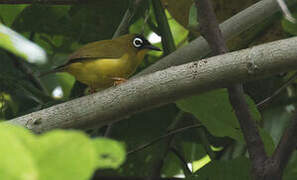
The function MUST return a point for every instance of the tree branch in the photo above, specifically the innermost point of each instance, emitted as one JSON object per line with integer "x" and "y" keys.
{"x": 232, "y": 27}
{"x": 166, "y": 86}
{"x": 209, "y": 29}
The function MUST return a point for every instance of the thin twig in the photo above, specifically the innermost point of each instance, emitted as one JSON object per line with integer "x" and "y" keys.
{"x": 278, "y": 91}
{"x": 162, "y": 137}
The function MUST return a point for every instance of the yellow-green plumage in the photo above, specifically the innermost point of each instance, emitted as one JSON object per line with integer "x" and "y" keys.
{"x": 95, "y": 64}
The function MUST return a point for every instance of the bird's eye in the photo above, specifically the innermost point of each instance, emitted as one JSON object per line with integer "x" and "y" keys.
{"x": 137, "y": 42}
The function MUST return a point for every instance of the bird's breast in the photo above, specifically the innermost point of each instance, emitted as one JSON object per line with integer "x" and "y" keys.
{"x": 98, "y": 72}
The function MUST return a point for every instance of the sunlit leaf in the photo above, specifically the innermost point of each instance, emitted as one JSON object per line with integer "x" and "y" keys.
{"x": 17, "y": 162}
{"x": 17, "y": 44}
{"x": 65, "y": 155}
{"x": 111, "y": 153}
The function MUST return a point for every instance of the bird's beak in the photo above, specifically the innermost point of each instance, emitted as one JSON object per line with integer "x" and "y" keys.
{"x": 151, "y": 47}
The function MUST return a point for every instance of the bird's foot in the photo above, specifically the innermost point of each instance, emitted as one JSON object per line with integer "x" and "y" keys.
{"x": 91, "y": 90}
{"x": 118, "y": 80}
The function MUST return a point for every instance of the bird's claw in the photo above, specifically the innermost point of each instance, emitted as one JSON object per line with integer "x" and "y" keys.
{"x": 118, "y": 80}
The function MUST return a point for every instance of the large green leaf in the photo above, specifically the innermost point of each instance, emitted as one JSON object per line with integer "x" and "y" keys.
{"x": 215, "y": 112}
{"x": 17, "y": 162}
{"x": 54, "y": 155}
{"x": 65, "y": 155}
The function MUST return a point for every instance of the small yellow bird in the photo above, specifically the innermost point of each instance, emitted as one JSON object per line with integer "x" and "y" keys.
{"x": 106, "y": 63}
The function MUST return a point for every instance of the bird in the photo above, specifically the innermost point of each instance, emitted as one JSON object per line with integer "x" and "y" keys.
{"x": 106, "y": 63}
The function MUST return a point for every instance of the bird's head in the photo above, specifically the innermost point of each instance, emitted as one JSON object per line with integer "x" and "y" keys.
{"x": 139, "y": 42}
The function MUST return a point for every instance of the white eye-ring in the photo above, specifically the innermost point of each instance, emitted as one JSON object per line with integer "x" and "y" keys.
{"x": 137, "y": 42}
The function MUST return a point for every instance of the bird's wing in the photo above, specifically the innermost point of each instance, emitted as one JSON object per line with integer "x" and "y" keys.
{"x": 96, "y": 50}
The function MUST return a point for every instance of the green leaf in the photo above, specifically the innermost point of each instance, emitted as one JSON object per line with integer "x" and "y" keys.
{"x": 54, "y": 155}
{"x": 179, "y": 33}
{"x": 18, "y": 45}
{"x": 8, "y": 13}
{"x": 288, "y": 26}
{"x": 17, "y": 162}
{"x": 216, "y": 114}
{"x": 267, "y": 140}
{"x": 65, "y": 155}
{"x": 193, "y": 23}
{"x": 111, "y": 153}
{"x": 225, "y": 170}
{"x": 290, "y": 172}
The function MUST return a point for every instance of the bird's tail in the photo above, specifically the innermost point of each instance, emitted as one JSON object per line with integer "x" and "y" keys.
{"x": 58, "y": 69}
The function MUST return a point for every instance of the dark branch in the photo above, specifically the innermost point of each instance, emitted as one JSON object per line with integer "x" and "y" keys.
{"x": 163, "y": 27}
{"x": 209, "y": 29}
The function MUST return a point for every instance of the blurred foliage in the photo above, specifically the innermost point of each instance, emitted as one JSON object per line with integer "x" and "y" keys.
{"x": 54, "y": 155}
{"x": 61, "y": 29}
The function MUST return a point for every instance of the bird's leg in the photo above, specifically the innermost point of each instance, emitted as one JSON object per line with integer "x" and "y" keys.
{"x": 92, "y": 90}
{"x": 118, "y": 80}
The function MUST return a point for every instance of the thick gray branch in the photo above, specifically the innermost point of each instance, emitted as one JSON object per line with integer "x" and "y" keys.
{"x": 230, "y": 28}
{"x": 166, "y": 86}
